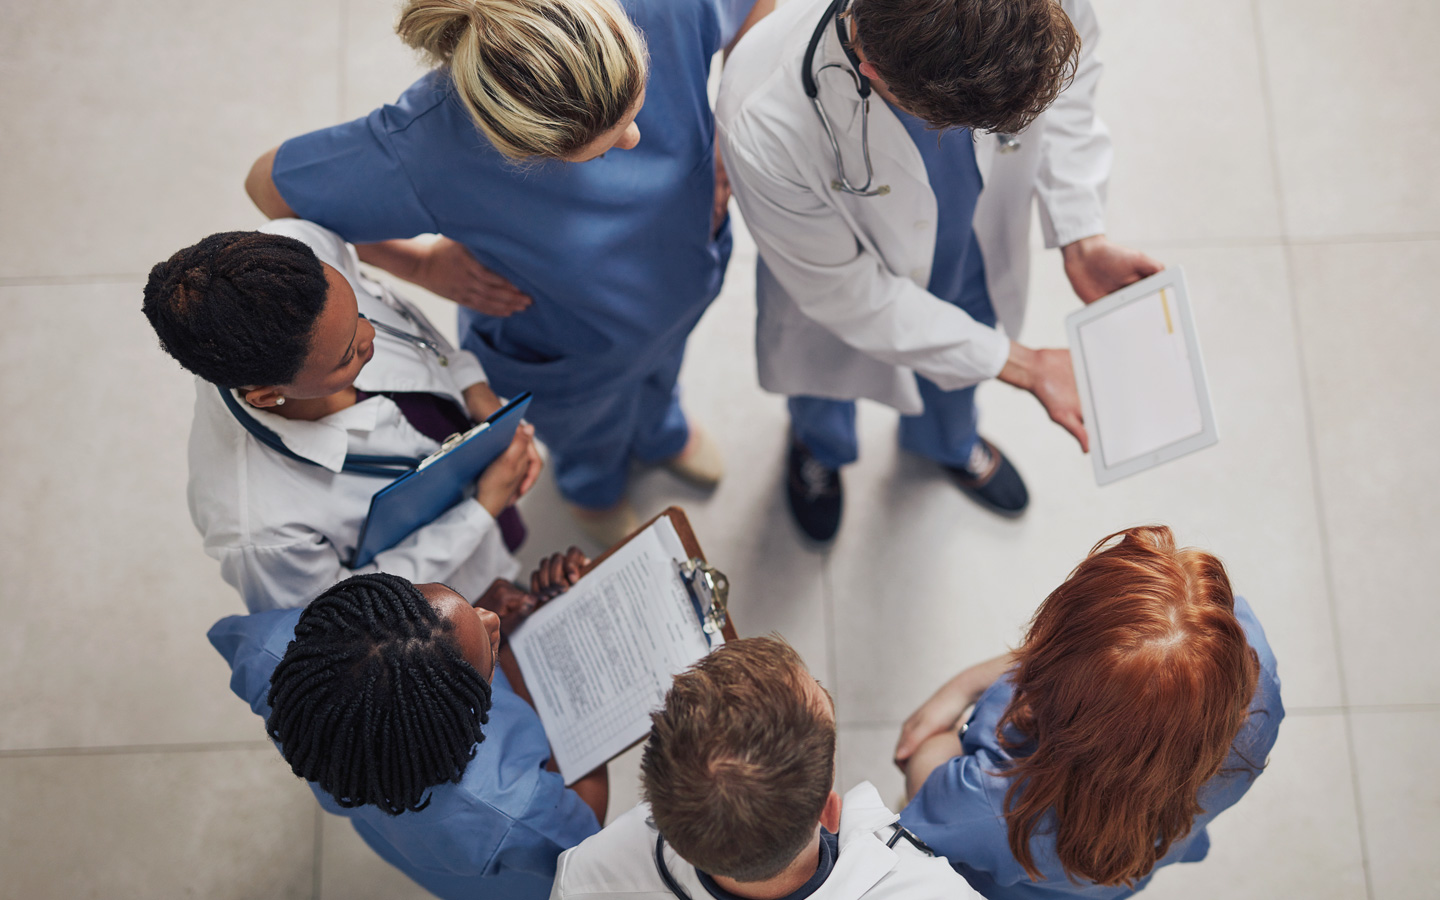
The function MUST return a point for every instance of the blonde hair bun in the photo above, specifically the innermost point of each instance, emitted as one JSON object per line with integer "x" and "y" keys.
{"x": 541, "y": 78}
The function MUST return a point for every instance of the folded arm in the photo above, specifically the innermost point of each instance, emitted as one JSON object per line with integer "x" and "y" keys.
{"x": 291, "y": 573}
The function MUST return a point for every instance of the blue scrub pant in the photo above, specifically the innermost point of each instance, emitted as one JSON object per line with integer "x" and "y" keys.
{"x": 592, "y": 441}
{"x": 945, "y": 431}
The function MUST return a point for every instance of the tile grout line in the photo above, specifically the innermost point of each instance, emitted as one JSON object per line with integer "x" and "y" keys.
{"x": 1176, "y": 244}
{"x": 832, "y": 665}
{"x": 1209, "y": 243}
{"x": 125, "y": 749}
{"x": 341, "y": 57}
{"x": 1368, "y": 708}
{"x": 827, "y": 608}
{"x": 316, "y": 883}
{"x": 62, "y": 280}
{"x": 1307, "y": 405}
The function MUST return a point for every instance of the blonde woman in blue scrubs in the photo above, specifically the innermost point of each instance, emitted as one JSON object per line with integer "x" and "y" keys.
{"x": 580, "y": 283}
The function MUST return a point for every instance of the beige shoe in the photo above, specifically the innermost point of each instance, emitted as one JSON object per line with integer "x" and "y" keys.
{"x": 700, "y": 463}
{"x": 607, "y": 527}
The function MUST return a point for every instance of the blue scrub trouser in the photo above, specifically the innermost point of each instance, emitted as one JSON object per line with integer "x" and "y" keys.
{"x": 593, "y": 441}
{"x": 945, "y": 431}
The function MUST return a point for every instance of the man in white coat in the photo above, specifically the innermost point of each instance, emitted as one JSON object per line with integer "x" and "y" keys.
{"x": 858, "y": 137}
{"x": 738, "y": 778}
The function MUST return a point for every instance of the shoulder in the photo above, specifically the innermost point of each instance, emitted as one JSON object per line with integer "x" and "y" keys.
{"x": 253, "y": 646}
{"x": 899, "y": 872}
{"x": 330, "y": 247}
{"x": 507, "y": 773}
{"x": 922, "y": 878}
{"x": 981, "y": 729}
{"x": 619, "y": 859}
{"x": 1255, "y": 635}
{"x": 421, "y": 100}
{"x": 264, "y": 633}
{"x": 761, "y": 80}
{"x": 1267, "y": 709}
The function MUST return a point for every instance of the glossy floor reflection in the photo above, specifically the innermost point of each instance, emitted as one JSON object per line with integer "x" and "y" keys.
{"x": 127, "y": 767}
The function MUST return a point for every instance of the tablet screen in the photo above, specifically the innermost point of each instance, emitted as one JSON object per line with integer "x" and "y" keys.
{"x": 1141, "y": 382}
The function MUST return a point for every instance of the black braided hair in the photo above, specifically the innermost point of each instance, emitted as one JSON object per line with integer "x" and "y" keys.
{"x": 238, "y": 308}
{"x": 373, "y": 700}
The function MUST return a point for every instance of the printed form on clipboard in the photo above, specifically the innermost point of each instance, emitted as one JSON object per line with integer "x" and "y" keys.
{"x": 598, "y": 659}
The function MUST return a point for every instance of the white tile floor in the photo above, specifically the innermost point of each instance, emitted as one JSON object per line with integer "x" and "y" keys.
{"x": 1283, "y": 152}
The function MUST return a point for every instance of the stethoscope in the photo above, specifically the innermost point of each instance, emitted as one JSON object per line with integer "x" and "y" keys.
{"x": 835, "y": 13}
{"x": 429, "y": 339}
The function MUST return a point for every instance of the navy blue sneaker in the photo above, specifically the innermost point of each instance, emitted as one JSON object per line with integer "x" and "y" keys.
{"x": 990, "y": 480}
{"x": 816, "y": 498}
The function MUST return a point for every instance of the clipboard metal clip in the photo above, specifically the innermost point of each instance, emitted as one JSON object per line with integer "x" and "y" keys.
{"x": 709, "y": 589}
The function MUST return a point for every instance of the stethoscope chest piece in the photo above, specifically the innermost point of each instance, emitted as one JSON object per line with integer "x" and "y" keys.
{"x": 1009, "y": 143}
{"x": 879, "y": 191}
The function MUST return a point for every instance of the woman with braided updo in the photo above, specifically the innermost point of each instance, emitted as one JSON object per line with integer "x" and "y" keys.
{"x": 387, "y": 698}
{"x": 565, "y": 150}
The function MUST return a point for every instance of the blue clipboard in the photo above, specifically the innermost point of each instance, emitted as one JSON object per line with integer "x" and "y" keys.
{"x": 417, "y": 498}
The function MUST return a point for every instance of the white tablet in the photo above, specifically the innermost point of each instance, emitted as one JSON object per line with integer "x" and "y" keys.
{"x": 1141, "y": 379}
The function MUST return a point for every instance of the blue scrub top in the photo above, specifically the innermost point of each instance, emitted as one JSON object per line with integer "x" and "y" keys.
{"x": 957, "y": 270}
{"x": 497, "y": 833}
{"x": 960, "y": 809}
{"x": 616, "y": 252}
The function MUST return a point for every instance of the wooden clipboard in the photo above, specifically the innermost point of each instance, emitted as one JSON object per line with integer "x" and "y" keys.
{"x": 681, "y": 523}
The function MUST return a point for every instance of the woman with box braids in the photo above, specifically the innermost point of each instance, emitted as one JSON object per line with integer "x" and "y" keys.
{"x": 238, "y": 308}
{"x": 374, "y": 701}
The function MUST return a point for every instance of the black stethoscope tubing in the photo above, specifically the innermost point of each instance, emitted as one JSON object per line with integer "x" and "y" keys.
{"x": 807, "y": 75}
{"x": 833, "y": 13}
{"x": 670, "y": 883}
{"x": 355, "y": 463}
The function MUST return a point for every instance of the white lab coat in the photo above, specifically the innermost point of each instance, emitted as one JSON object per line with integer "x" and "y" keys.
{"x": 843, "y": 310}
{"x": 619, "y": 862}
{"x": 282, "y": 529}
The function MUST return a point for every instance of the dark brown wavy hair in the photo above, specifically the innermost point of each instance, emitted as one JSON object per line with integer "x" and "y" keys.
{"x": 1130, "y": 688}
{"x": 984, "y": 64}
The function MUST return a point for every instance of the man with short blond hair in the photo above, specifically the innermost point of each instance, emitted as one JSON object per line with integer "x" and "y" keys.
{"x": 738, "y": 780}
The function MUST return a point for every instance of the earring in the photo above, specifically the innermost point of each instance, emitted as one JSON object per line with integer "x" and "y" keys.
{"x": 279, "y": 401}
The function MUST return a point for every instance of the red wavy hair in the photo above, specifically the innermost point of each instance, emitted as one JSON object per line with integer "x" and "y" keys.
{"x": 1133, "y": 681}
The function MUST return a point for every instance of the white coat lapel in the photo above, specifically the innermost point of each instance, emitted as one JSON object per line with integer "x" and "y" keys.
{"x": 864, "y": 860}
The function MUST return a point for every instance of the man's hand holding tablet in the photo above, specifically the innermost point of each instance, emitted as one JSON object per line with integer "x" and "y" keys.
{"x": 1140, "y": 377}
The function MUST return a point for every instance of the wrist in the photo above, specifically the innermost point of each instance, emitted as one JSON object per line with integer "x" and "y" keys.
{"x": 1019, "y": 369}
{"x": 1075, "y": 251}
{"x": 481, "y": 400}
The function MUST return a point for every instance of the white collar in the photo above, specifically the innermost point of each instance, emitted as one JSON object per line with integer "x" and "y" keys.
{"x": 862, "y": 812}
{"x": 324, "y": 441}
{"x": 864, "y": 859}
{"x": 861, "y": 864}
